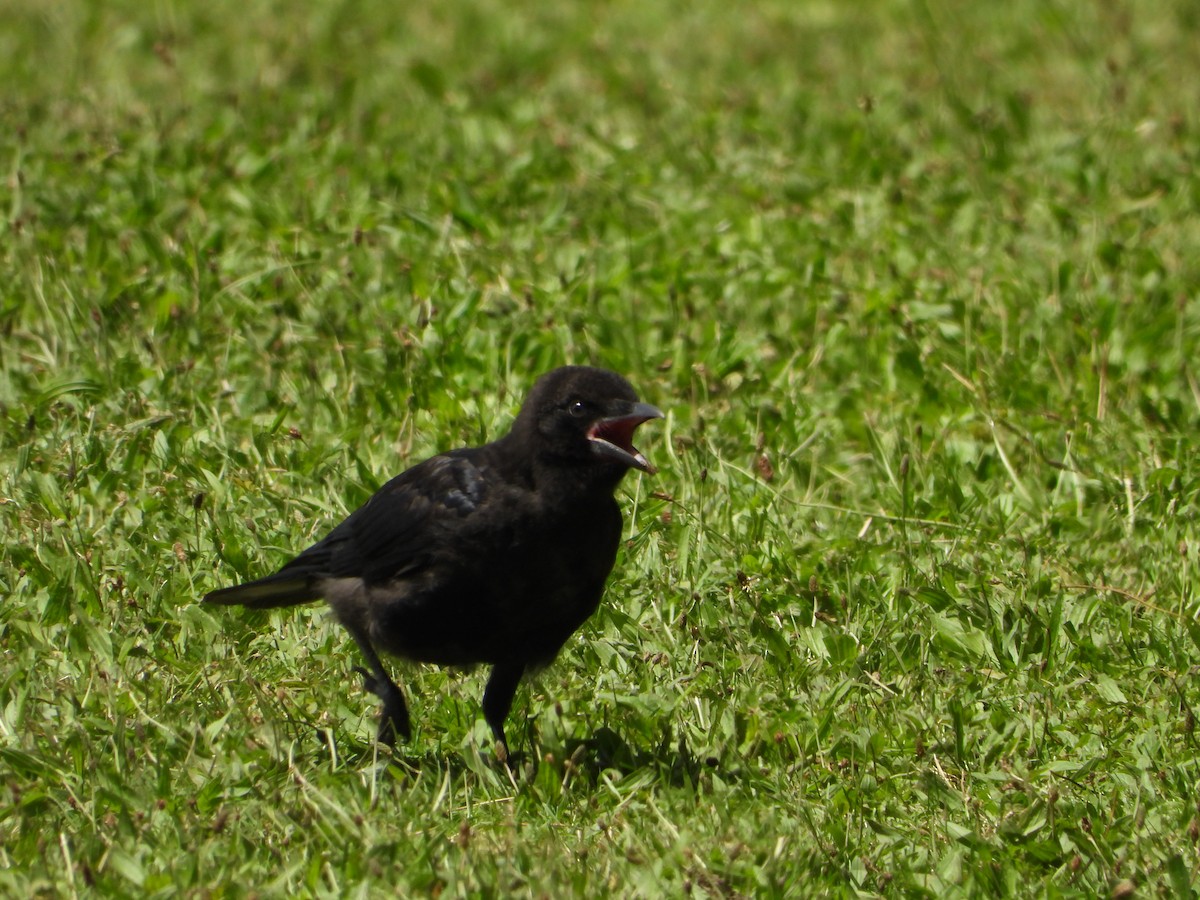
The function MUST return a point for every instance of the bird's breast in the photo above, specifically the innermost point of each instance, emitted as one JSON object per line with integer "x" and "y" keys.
{"x": 513, "y": 591}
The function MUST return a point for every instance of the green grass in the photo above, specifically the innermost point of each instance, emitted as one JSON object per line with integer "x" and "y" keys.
{"x": 910, "y": 609}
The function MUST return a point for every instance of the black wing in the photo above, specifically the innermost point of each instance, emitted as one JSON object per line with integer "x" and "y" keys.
{"x": 390, "y": 536}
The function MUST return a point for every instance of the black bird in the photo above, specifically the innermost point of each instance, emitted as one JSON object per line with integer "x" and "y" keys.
{"x": 492, "y": 554}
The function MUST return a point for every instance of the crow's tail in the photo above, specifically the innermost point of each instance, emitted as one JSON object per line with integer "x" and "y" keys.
{"x": 280, "y": 589}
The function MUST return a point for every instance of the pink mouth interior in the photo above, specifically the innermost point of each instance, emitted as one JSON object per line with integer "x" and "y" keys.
{"x": 618, "y": 432}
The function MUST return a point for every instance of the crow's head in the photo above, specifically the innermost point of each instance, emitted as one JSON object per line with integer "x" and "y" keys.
{"x": 578, "y": 415}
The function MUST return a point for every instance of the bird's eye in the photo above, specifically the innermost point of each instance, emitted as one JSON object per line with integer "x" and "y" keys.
{"x": 577, "y": 408}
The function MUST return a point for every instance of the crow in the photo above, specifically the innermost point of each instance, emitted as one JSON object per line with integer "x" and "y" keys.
{"x": 494, "y": 554}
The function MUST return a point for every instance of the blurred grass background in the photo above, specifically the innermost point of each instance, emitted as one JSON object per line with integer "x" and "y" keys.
{"x": 910, "y": 607}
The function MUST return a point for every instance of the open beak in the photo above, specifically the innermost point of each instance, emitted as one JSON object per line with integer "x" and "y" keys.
{"x": 613, "y": 437}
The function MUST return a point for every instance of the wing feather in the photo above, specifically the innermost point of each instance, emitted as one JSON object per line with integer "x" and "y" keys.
{"x": 395, "y": 532}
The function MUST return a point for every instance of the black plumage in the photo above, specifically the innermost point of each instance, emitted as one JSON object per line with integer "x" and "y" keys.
{"x": 493, "y": 554}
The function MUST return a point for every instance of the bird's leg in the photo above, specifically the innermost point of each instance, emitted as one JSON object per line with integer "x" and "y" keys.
{"x": 497, "y": 701}
{"x": 393, "y": 717}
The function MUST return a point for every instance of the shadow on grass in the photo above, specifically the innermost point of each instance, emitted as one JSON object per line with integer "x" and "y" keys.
{"x": 607, "y": 751}
{"x": 596, "y": 758}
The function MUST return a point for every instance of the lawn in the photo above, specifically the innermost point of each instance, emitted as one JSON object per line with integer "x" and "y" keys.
{"x": 912, "y": 607}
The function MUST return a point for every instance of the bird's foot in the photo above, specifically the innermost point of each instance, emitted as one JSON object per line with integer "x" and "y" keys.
{"x": 370, "y": 682}
{"x": 393, "y": 720}
{"x": 393, "y": 716}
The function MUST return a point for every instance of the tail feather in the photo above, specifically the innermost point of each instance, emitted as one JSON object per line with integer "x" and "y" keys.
{"x": 281, "y": 589}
